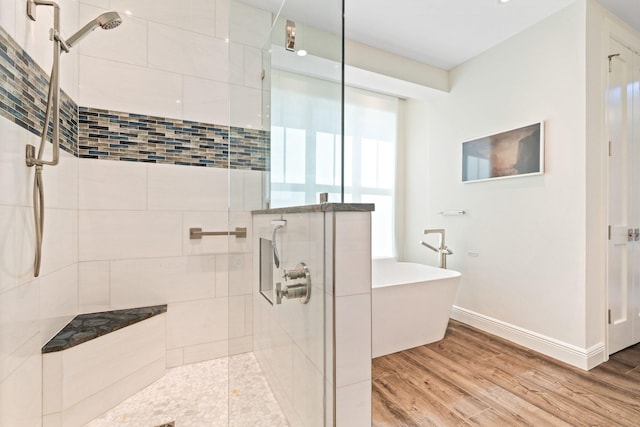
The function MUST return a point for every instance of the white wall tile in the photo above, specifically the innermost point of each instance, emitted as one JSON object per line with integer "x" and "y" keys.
{"x": 354, "y": 405}
{"x": 52, "y": 420}
{"x": 104, "y": 4}
{"x": 308, "y": 391}
{"x": 237, "y": 316}
{"x": 22, "y": 395}
{"x": 197, "y": 322}
{"x": 208, "y": 351}
{"x": 129, "y": 234}
{"x": 8, "y": 17}
{"x": 193, "y": 278}
{"x": 248, "y": 25}
{"x": 68, "y": 61}
{"x": 58, "y": 301}
{"x": 205, "y": 100}
{"x": 240, "y": 345}
{"x": 194, "y": 15}
{"x": 206, "y": 56}
{"x": 317, "y": 248}
{"x": 281, "y": 353}
{"x": 94, "y": 278}
{"x": 245, "y": 190}
{"x": 123, "y": 87}
{"x": 60, "y": 239}
{"x": 139, "y": 282}
{"x": 24, "y": 244}
{"x": 8, "y": 278}
{"x": 236, "y": 64}
{"x": 143, "y": 282}
{"x": 16, "y": 180}
{"x": 222, "y": 19}
{"x": 236, "y": 189}
{"x": 52, "y": 379}
{"x": 33, "y": 36}
{"x": 353, "y": 339}
{"x": 126, "y": 43}
{"x": 175, "y": 357}
{"x": 174, "y": 187}
{"x": 253, "y": 190}
{"x": 96, "y": 364}
{"x": 222, "y": 275}
{"x": 112, "y": 185}
{"x": 61, "y": 181}
{"x": 19, "y": 324}
{"x": 248, "y": 311}
{"x": 246, "y": 107}
{"x": 353, "y": 253}
{"x": 252, "y": 67}
{"x": 240, "y": 275}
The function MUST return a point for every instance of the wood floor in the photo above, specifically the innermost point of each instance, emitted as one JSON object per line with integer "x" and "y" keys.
{"x": 473, "y": 378}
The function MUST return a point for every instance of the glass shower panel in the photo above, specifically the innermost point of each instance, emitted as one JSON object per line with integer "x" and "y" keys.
{"x": 285, "y": 132}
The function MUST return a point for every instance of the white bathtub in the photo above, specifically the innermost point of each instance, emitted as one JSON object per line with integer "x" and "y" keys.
{"x": 411, "y": 304}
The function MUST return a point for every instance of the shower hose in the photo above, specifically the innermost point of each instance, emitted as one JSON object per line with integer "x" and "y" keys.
{"x": 38, "y": 184}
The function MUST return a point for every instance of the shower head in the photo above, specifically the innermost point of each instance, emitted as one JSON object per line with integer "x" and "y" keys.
{"x": 106, "y": 21}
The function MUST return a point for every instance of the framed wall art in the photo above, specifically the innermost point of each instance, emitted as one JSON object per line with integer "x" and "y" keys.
{"x": 514, "y": 153}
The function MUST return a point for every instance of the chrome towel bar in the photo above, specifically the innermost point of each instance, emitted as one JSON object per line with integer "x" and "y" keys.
{"x": 197, "y": 233}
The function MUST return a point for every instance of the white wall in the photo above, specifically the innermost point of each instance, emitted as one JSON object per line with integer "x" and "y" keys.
{"x": 32, "y": 310}
{"x": 529, "y": 233}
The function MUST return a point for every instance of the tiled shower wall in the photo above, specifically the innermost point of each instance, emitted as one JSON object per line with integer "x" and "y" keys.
{"x": 32, "y": 310}
{"x": 121, "y": 227}
{"x": 175, "y": 75}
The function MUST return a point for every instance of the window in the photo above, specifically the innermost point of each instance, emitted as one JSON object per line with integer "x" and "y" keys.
{"x": 306, "y": 152}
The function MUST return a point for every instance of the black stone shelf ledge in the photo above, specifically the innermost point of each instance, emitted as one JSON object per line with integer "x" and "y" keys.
{"x": 85, "y": 327}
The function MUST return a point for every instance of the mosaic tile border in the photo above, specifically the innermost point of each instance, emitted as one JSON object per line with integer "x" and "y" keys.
{"x": 23, "y": 94}
{"x": 100, "y": 134}
{"x": 115, "y": 135}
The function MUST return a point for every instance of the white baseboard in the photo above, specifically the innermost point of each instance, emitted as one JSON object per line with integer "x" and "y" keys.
{"x": 583, "y": 358}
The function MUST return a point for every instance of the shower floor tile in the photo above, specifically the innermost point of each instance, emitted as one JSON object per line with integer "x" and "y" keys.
{"x": 200, "y": 395}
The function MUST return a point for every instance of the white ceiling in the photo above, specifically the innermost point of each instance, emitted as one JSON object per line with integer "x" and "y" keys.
{"x": 443, "y": 33}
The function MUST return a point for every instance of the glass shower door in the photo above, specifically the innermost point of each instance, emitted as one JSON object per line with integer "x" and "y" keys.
{"x": 280, "y": 354}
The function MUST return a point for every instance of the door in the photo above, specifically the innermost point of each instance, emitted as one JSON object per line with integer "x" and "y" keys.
{"x": 623, "y": 266}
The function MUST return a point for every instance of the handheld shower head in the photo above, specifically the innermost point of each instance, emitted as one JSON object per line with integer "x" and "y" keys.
{"x": 106, "y": 21}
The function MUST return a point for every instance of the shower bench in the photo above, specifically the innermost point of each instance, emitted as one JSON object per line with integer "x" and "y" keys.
{"x": 98, "y": 360}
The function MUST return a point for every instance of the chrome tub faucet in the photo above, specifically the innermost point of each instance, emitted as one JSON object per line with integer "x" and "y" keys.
{"x": 442, "y": 248}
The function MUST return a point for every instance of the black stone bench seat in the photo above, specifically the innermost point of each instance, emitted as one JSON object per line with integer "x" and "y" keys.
{"x": 85, "y": 327}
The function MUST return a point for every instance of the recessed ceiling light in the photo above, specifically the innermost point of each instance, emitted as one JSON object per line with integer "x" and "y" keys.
{"x": 301, "y": 52}
{"x": 503, "y": 1}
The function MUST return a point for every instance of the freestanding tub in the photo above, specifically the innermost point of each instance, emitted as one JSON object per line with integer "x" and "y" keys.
{"x": 410, "y": 304}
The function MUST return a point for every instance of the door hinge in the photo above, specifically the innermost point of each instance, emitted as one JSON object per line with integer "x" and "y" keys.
{"x": 611, "y": 57}
{"x": 609, "y": 148}
{"x": 609, "y": 233}
{"x": 609, "y": 316}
